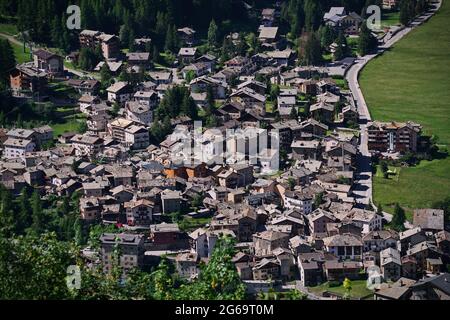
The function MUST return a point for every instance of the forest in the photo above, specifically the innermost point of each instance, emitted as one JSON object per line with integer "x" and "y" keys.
{"x": 45, "y": 19}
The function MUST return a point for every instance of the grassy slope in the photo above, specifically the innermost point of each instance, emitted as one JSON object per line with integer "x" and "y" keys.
{"x": 412, "y": 82}
{"x": 416, "y": 187}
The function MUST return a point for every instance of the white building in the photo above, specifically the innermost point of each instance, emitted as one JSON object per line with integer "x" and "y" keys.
{"x": 137, "y": 137}
{"x": 140, "y": 113}
{"x": 299, "y": 201}
{"x": 17, "y": 148}
{"x": 86, "y": 145}
{"x": 148, "y": 98}
{"x": 119, "y": 92}
{"x": 367, "y": 220}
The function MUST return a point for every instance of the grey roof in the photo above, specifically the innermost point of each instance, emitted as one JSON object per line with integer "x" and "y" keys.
{"x": 442, "y": 282}
{"x": 124, "y": 238}
{"x": 429, "y": 219}
{"x": 268, "y": 32}
{"x": 342, "y": 240}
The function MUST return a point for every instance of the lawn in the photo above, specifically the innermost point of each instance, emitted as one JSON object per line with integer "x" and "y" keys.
{"x": 9, "y": 29}
{"x": 359, "y": 289}
{"x": 191, "y": 224}
{"x": 70, "y": 126}
{"x": 21, "y": 57}
{"x": 411, "y": 82}
{"x": 390, "y": 18}
{"x": 416, "y": 187}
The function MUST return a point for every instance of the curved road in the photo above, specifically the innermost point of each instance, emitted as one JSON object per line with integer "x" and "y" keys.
{"x": 363, "y": 191}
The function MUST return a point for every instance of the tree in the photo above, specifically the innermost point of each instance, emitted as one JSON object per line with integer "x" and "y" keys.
{"x": 8, "y": 61}
{"x": 105, "y": 75}
{"x": 35, "y": 268}
{"x": 24, "y": 218}
{"x": 405, "y": 16}
{"x": 37, "y": 214}
{"x": 190, "y": 75}
{"x": 348, "y": 288}
{"x": 274, "y": 92}
{"x": 380, "y": 210}
{"x": 291, "y": 183}
{"x": 313, "y": 15}
{"x": 297, "y": 18}
{"x": 7, "y": 216}
{"x": 399, "y": 218}
{"x": 171, "y": 43}
{"x": 342, "y": 49}
{"x": 212, "y": 34}
{"x": 318, "y": 200}
{"x": 367, "y": 42}
{"x": 188, "y": 107}
{"x": 197, "y": 201}
{"x": 253, "y": 43}
{"x": 89, "y": 58}
{"x": 82, "y": 127}
{"x": 162, "y": 283}
{"x": 294, "y": 114}
{"x": 218, "y": 280}
{"x": 327, "y": 36}
{"x": 384, "y": 169}
{"x": 312, "y": 51}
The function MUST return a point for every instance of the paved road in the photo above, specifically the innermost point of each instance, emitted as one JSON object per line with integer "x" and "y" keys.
{"x": 363, "y": 191}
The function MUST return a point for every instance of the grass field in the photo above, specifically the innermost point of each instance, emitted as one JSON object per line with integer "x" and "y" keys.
{"x": 412, "y": 82}
{"x": 359, "y": 289}
{"x": 70, "y": 126}
{"x": 416, "y": 187}
{"x": 390, "y": 19}
{"x": 21, "y": 57}
{"x": 9, "y": 29}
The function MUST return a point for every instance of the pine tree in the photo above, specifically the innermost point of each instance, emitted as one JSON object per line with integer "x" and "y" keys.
{"x": 294, "y": 114}
{"x": 188, "y": 107}
{"x": 7, "y": 218}
{"x": 313, "y": 15}
{"x": 212, "y": 34}
{"x": 24, "y": 212}
{"x": 367, "y": 42}
{"x": 56, "y": 35}
{"x": 405, "y": 17}
{"x": 298, "y": 19}
{"x": 312, "y": 50}
{"x": 38, "y": 217}
{"x": 341, "y": 47}
{"x": 326, "y": 36}
{"x": 105, "y": 75}
{"x": 124, "y": 34}
{"x": 8, "y": 60}
{"x": 171, "y": 43}
{"x": 399, "y": 218}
